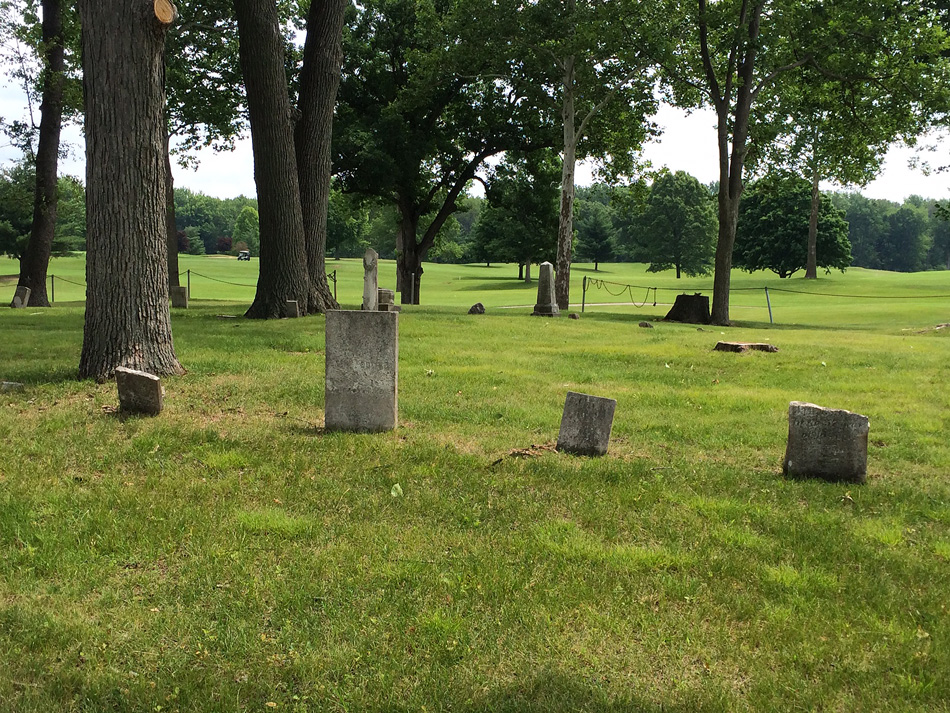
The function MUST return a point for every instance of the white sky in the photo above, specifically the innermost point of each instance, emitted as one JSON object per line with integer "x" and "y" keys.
{"x": 688, "y": 144}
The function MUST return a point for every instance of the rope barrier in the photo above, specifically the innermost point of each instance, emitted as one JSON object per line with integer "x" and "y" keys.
{"x": 63, "y": 279}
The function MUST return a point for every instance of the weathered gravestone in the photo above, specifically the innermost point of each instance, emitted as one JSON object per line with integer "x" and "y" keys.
{"x": 477, "y": 308}
{"x": 179, "y": 297}
{"x": 139, "y": 391}
{"x": 21, "y": 298}
{"x": 586, "y": 424}
{"x": 831, "y": 444}
{"x": 370, "y": 280}
{"x": 291, "y": 309}
{"x": 547, "y": 305}
{"x": 362, "y": 370}
{"x": 11, "y": 386}
{"x": 386, "y": 300}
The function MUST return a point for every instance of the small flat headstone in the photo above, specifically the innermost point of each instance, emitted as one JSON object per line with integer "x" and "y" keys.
{"x": 139, "y": 391}
{"x": 291, "y": 309}
{"x": 646, "y": 325}
{"x": 831, "y": 444}
{"x": 11, "y": 386}
{"x": 586, "y": 424}
{"x": 741, "y": 347}
{"x": 573, "y": 315}
{"x": 477, "y": 308}
{"x": 179, "y": 297}
{"x": 547, "y": 305}
{"x": 21, "y": 298}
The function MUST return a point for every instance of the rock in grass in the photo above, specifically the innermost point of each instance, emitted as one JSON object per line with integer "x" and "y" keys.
{"x": 139, "y": 391}
{"x": 11, "y": 386}
{"x": 646, "y": 325}
{"x": 477, "y": 308}
{"x": 831, "y": 444}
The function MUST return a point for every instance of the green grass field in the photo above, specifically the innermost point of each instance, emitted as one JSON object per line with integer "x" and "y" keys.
{"x": 229, "y": 555}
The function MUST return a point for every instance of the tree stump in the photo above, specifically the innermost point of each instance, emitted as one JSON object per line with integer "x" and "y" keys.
{"x": 742, "y": 347}
{"x": 692, "y": 309}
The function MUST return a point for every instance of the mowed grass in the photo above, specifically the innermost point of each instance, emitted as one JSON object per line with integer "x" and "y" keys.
{"x": 231, "y": 555}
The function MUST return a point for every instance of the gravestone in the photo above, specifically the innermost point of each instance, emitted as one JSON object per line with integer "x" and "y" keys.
{"x": 11, "y": 386}
{"x": 21, "y": 298}
{"x": 370, "y": 280}
{"x": 477, "y": 308}
{"x": 831, "y": 444}
{"x": 362, "y": 370}
{"x": 586, "y": 424}
{"x": 386, "y": 300}
{"x": 179, "y": 297}
{"x": 547, "y": 305}
{"x": 139, "y": 391}
{"x": 291, "y": 309}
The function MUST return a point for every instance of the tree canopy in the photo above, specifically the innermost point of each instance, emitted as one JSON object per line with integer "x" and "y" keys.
{"x": 773, "y": 223}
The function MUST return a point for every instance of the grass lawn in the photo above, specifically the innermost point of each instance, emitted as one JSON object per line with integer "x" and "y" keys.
{"x": 229, "y": 555}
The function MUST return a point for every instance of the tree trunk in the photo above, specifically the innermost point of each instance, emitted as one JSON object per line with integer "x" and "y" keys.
{"x": 527, "y": 271}
{"x": 722, "y": 275}
{"x": 408, "y": 260}
{"x": 171, "y": 229}
{"x": 811, "y": 266}
{"x": 35, "y": 261}
{"x": 565, "y": 227}
{"x": 678, "y": 269}
{"x": 127, "y": 314}
{"x": 521, "y": 271}
{"x": 319, "y": 80}
{"x": 283, "y": 257}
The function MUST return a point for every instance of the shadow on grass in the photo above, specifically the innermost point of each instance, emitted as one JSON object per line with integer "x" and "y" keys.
{"x": 560, "y": 692}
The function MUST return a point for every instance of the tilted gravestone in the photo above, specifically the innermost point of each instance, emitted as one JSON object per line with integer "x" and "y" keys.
{"x": 831, "y": 444}
{"x": 586, "y": 424}
{"x": 362, "y": 370}
{"x": 21, "y": 298}
{"x": 139, "y": 391}
{"x": 547, "y": 305}
{"x": 179, "y": 296}
{"x": 370, "y": 281}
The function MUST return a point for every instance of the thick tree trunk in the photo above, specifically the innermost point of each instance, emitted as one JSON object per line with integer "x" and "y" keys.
{"x": 722, "y": 276}
{"x": 283, "y": 257}
{"x": 811, "y": 266}
{"x": 527, "y": 271}
{"x": 408, "y": 259}
{"x": 171, "y": 229}
{"x": 319, "y": 80}
{"x": 127, "y": 313}
{"x": 35, "y": 261}
{"x": 565, "y": 227}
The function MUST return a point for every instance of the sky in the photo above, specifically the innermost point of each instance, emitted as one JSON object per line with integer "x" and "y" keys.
{"x": 688, "y": 144}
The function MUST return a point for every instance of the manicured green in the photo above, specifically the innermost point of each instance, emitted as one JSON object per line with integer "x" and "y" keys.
{"x": 229, "y": 554}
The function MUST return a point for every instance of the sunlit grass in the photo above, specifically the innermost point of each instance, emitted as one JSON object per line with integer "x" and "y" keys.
{"x": 229, "y": 554}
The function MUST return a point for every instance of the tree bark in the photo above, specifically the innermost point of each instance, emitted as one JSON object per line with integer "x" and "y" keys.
{"x": 811, "y": 265}
{"x": 731, "y": 163}
{"x": 409, "y": 258}
{"x": 283, "y": 257}
{"x": 127, "y": 314}
{"x": 35, "y": 261}
{"x": 565, "y": 227}
{"x": 319, "y": 81}
{"x": 171, "y": 229}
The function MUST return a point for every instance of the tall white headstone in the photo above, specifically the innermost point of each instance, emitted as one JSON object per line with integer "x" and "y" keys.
{"x": 370, "y": 280}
